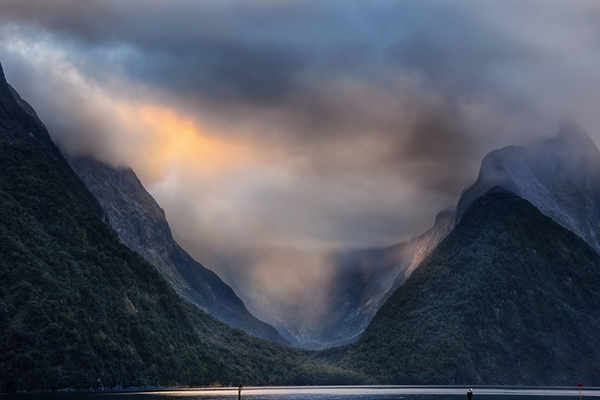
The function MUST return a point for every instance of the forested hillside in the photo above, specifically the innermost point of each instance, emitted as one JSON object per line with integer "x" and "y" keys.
{"x": 509, "y": 297}
{"x": 142, "y": 225}
{"x": 79, "y": 309}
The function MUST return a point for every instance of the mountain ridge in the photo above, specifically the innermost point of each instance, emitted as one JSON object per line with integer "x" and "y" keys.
{"x": 80, "y": 310}
{"x": 559, "y": 177}
{"x": 65, "y": 280}
{"x": 142, "y": 225}
{"x": 508, "y": 297}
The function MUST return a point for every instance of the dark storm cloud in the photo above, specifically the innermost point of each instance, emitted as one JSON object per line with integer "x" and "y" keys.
{"x": 434, "y": 150}
{"x": 249, "y": 51}
{"x": 289, "y": 64}
{"x": 224, "y": 72}
{"x": 207, "y": 48}
{"x": 321, "y": 77}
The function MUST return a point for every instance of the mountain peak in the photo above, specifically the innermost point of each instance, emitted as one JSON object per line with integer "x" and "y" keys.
{"x": 3, "y": 83}
{"x": 572, "y": 148}
{"x": 498, "y": 169}
{"x": 559, "y": 176}
{"x": 571, "y": 133}
{"x": 509, "y": 297}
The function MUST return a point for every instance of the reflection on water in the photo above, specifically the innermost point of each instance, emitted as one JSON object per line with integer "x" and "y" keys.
{"x": 327, "y": 393}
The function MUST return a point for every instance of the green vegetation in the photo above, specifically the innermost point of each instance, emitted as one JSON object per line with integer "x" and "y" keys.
{"x": 509, "y": 297}
{"x": 252, "y": 360}
{"x": 142, "y": 226}
{"x": 76, "y": 305}
{"x": 79, "y": 309}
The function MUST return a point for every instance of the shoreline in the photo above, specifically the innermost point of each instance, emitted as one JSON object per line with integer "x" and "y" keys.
{"x": 448, "y": 390}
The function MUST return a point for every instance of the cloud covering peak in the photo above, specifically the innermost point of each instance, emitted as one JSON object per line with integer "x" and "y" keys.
{"x": 267, "y": 128}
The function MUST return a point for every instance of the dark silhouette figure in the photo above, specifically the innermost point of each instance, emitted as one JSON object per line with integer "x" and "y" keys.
{"x": 470, "y": 394}
{"x": 240, "y": 392}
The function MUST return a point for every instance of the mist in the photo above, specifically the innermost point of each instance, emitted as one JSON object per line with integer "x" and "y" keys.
{"x": 275, "y": 133}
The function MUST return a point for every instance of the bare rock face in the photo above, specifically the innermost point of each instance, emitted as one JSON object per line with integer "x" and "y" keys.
{"x": 509, "y": 297}
{"x": 362, "y": 282}
{"x": 427, "y": 242}
{"x": 76, "y": 305}
{"x": 141, "y": 224}
{"x": 561, "y": 177}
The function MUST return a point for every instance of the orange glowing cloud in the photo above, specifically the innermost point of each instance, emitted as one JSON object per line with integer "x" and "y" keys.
{"x": 166, "y": 139}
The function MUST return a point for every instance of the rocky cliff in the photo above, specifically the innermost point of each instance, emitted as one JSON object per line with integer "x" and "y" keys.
{"x": 508, "y": 297}
{"x": 561, "y": 177}
{"x": 141, "y": 224}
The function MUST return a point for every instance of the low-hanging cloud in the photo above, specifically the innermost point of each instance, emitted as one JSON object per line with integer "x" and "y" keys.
{"x": 274, "y": 128}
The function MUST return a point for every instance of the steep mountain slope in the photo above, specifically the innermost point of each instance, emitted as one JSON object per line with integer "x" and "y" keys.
{"x": 361, "y": 283}
{"x": 365, "y": 279}
{"x": 561, "y": 177}
{"x": 79, "y": 309}
{"x": 142, "y": 226}
{"x": 509, "y": 297}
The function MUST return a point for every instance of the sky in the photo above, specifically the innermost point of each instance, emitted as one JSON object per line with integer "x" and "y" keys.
{"x": 274, "y": 132}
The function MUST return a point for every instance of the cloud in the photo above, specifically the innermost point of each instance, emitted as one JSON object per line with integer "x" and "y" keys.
{"x": 274, "y": 129}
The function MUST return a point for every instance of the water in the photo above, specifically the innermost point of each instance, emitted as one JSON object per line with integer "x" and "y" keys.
{"x": 329, "y": 393}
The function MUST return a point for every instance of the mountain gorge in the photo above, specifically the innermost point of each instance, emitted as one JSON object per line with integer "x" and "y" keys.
{"x": 559, "y": 176}
{"x": 141, "y": 225}
{"x": 363, "y": 281}
{"x": 509, "y": 297}
{"x": 80, "y": 310}
{"x": 94, "y": 291}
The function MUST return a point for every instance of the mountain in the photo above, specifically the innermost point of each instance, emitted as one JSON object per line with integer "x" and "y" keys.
{"x": 362, "y": 280}
{"x": 560, "y": 176}
{"x": 141, "y": 224}
{"x": 80, "y": 310}
{"x": 508, "y": 297}
{"x": 77, "y": 308}
{"x": 365, "y": 279}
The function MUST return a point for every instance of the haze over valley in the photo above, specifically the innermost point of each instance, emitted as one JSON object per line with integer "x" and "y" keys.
{"x": 260, "y": 178}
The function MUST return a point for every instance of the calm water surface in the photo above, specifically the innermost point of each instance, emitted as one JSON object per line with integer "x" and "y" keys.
{"x": 329, "y": 393}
